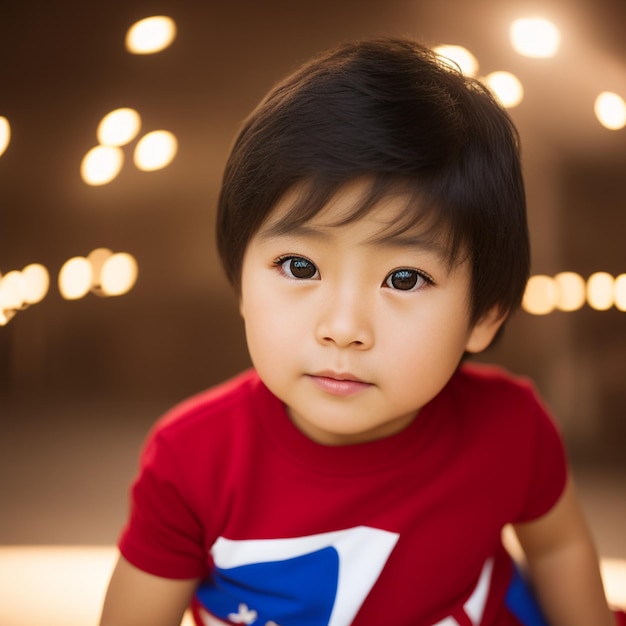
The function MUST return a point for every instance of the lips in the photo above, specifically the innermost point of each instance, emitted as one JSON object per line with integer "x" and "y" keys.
{"x": 339, "y": 384}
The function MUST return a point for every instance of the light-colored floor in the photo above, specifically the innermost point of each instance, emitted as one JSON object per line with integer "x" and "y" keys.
{"x": 55, "y": 585}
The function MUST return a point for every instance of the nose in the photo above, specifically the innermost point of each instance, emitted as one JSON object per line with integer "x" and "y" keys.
{"x": 346, "y": 320}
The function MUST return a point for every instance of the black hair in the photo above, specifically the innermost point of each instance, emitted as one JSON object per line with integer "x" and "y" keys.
{"x": 392, "y": 112}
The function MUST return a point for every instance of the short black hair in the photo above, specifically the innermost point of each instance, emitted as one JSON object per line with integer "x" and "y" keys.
{"x": 393, "y": 112}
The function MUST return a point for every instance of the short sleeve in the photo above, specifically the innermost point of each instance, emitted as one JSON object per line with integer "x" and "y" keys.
{"x": 163, "y": 536}
{"x": 548, "y": 463}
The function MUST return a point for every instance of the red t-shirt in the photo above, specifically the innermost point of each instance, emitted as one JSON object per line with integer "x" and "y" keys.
{"x": 405, "y": 530}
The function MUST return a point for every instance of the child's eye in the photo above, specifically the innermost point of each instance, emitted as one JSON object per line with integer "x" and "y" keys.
{"x": 297, "y": 267}
{"x": 407, "y": 280}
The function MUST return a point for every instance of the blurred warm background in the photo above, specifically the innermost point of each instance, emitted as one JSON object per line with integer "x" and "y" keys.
{"x": 113, "y": 135}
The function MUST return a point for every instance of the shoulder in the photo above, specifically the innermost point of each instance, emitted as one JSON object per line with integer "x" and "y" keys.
{"x": 195, "y": 446}
{"x": 213, "y": 413}
{"x": 504, "y": 420}
{"x": 198, "y": 439}
{"x": 231, "y": 396}
{"x": 491, "y": 385}
{"x": 489, "y": 399}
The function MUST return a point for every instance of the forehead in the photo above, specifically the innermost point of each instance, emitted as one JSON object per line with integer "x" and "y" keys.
{"x": 395, "y": 214}
{"x": 347, "y": 203}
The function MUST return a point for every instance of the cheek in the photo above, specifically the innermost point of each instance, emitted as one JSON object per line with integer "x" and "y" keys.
{"x": 269, "y": 330}
{"x": 429, "y": 342}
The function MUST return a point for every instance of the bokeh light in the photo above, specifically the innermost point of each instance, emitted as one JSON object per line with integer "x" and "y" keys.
{"x": 460, "y": 57}
{"x": 600, "y": 288}
{"x": 19, "y": 290}
{"x": 571, "y": 291}
{"x": 5, "y": 315}
{"x": 541, "y": 295}
{"x": 610, "y": 109}
{"x": 619, "y": 292}
{"x": 155, "y": 150}
{"x": 12, "y": 291}
{"x": 119, "y": 127}
{"x": 535, "y": 37}
{"x": 97, "y": 258}
{"x": 5, "y": 134}
{"x": 119, "y": 274}
{"x": 101, "y": 165}
{"x": 36, "y": 283}
{"x": 75, "y": 278}
{"x": 507, "y": 88}
{"x": 151, "y": 35}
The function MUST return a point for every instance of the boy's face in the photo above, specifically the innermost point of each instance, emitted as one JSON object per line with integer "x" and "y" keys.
{"x": 353, "y": 333}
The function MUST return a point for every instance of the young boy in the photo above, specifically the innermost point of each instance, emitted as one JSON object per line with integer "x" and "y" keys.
{"x": 372, "y": 221}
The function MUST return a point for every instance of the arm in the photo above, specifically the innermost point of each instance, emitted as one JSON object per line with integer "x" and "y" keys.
{"x": 135, "y": 598}
{"x": 563, "y": 565}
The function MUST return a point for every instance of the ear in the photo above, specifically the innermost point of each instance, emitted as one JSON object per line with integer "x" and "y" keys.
{"x": 484, "y": 331}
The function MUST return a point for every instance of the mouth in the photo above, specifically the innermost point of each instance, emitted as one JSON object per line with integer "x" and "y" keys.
{"x": 339, "y": 384}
